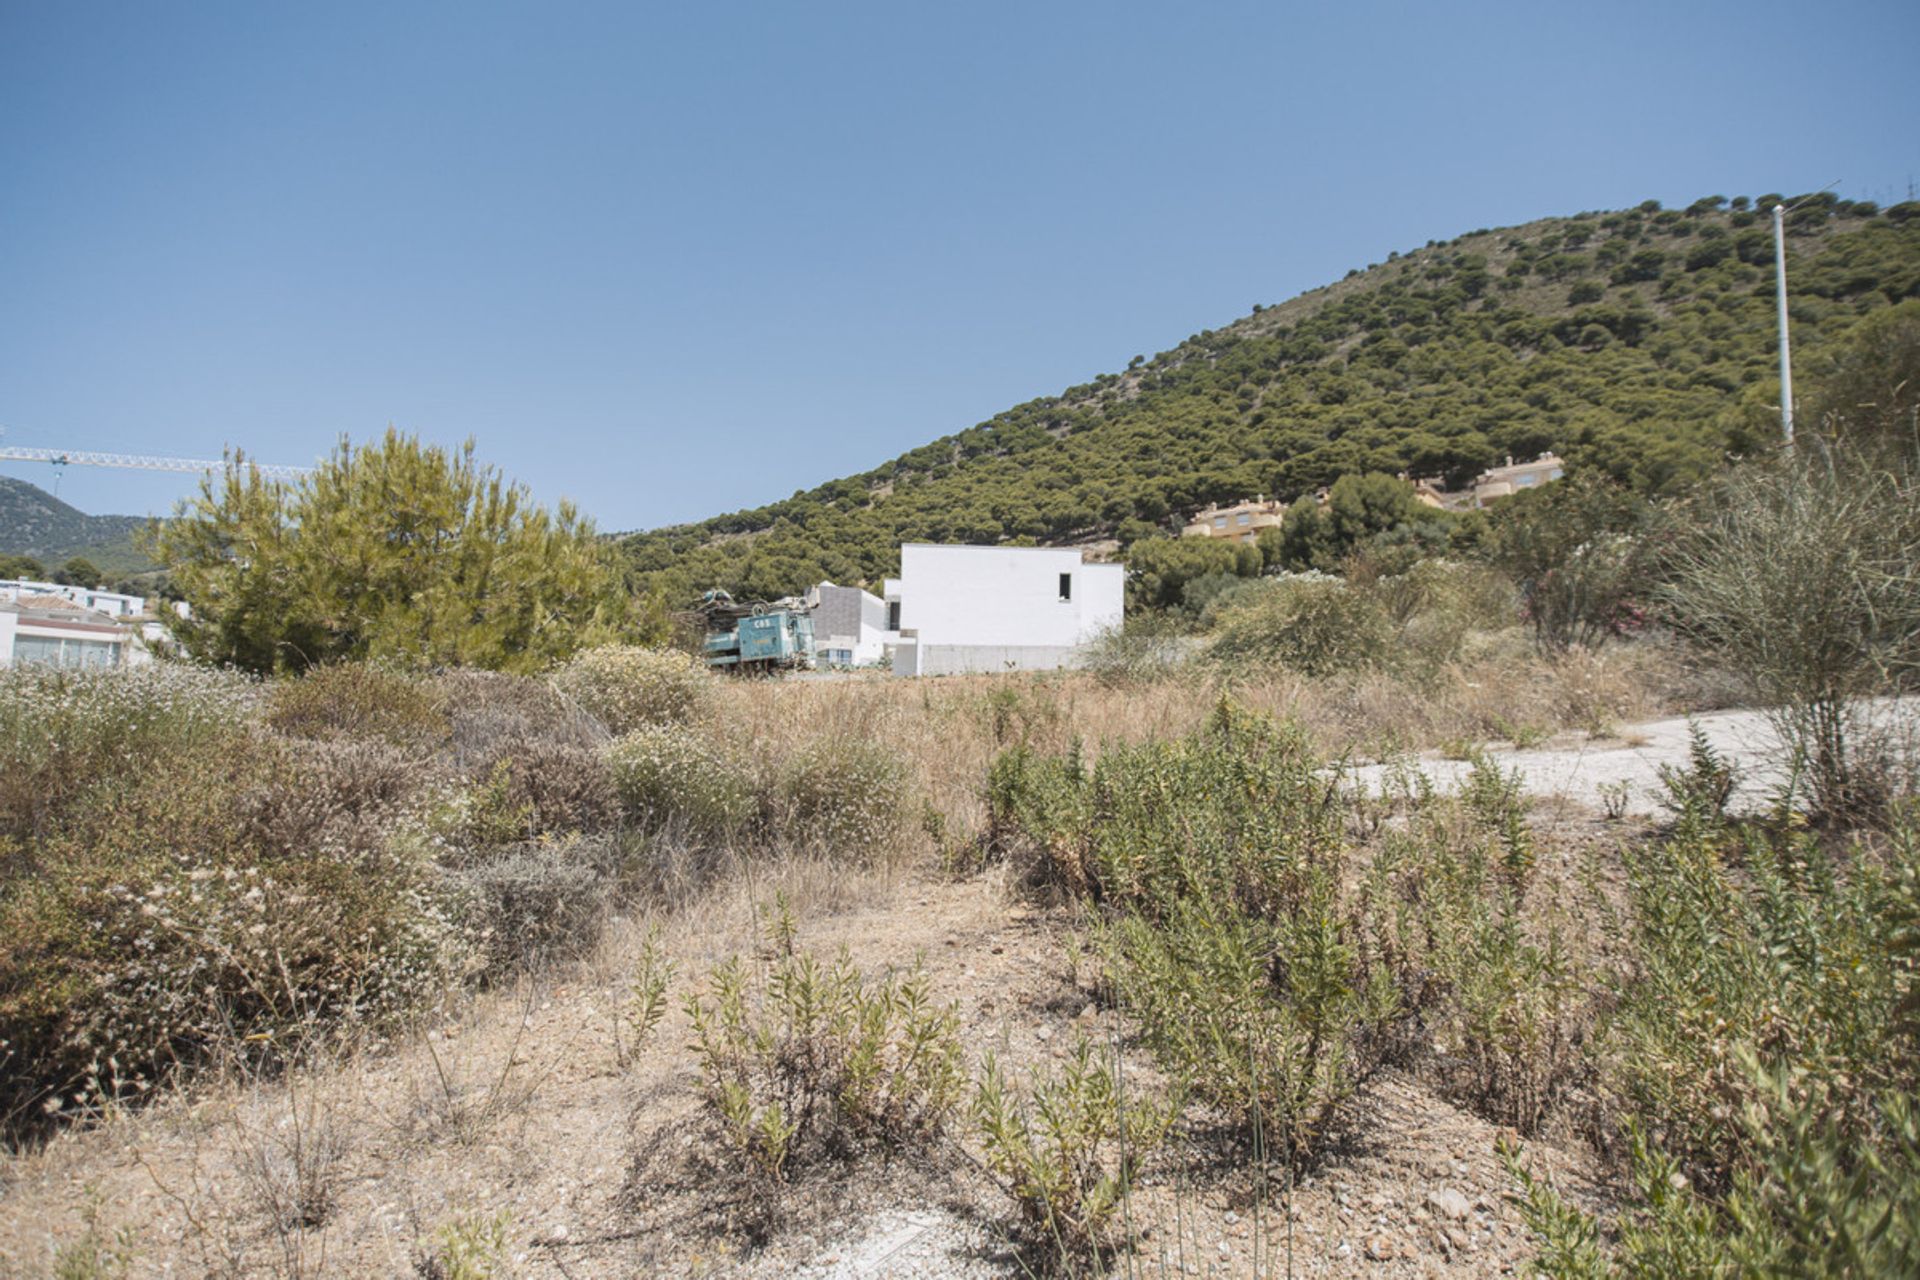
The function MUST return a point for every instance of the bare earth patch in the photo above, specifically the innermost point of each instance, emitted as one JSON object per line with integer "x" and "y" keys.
{"x": 513, "y": 1103}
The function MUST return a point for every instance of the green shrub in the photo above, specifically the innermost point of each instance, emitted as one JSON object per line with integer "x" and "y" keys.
{"x": 1501, "y": 991}
{"x": 1763, "y": 1057}
{"x": 1575, "y": 552}
{"x": 1815, "y": 1202}
{"x": 806, "y": 1061}
{"x": 1273, "y": 1020}
{"x": 1311, "y": 624}
{"x": 1149, "y": 647}
{"x": 1763, "y": 947}
{"x": 1036, "y": 818}
{"x": 1230, "y": 926}
{"x": 472, "y": 1246}
{"x": 533, "y": 790}
{"x": 844, "y": 794}
{"x": 95, "y": 1254}
{"x": 627, "y": 687}
{"x": 1434, "y": 605}
{"x": 670, "y": 776}
{"x": 1799, "y": 574}
{"x": 1069, "y": 1151}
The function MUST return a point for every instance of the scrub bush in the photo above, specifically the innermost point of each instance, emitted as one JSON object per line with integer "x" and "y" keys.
{"x": 66, "y": 734}
{"x": 490, "y": 714}
{"x": 1309, "y": 623}
{"x": 843, "y": 794}
{"x": 1749, "y": 946}
{"x": 218, "y": 886}
{"x": 626, "y": 686}
{"x": 1500, "y": 988}
{"x": 553, "y": 789}
{"x": 1764, "y": 1057}
{"x": 671, "y": 776}
{"x": 357, "y": 700}
{"x": 136, "y": 961}
{"x": 806, "y": 1061}
{"x": 532, "y": 904}
{"x": 1799, "y": 574}
{"x": 1227, "y": 921}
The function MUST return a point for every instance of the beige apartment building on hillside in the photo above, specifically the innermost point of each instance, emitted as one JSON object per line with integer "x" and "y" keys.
{"x": 1242, "y": 522}
{"x": 1503, "y": 482}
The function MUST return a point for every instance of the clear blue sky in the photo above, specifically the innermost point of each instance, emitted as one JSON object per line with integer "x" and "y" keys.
{"x": 670, "y": 260}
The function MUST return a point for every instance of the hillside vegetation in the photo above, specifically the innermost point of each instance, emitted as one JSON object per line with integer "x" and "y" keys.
{"x": 36, "y": 524}
{"x": 1638, "y": 343}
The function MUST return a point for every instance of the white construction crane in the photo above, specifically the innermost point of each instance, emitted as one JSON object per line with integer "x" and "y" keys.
{"x": 137, "y": 462}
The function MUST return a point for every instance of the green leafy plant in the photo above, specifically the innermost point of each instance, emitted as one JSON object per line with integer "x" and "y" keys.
{"x": 96, "y": 1253}
{"x": 646, "y": 1001}
{"x": 1068, "y": 1148}
{"x": 1699, "y": 790}
{"x": 472, "y": 1246}
{"x": 807, "y": 1060}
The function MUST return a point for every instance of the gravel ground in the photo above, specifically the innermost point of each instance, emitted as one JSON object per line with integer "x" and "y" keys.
{"x": 1585, "y": 769}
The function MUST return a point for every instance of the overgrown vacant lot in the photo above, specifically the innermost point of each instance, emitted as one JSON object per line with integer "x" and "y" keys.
{"x": 627, "y": 971}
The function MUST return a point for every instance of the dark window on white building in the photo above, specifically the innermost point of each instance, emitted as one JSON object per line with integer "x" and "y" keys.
{"x": 1066, "y": 586}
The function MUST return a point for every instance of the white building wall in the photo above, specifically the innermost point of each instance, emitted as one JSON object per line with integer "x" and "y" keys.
{"x": 9, "y": 627}
{"x": 1000, "y": 608}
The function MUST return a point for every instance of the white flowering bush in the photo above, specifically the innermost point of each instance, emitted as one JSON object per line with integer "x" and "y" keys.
{"x": 180, "y": 925}
{"x": 63, "y": 733}
{"x": 845, "y": 794}
{"x": 669, "y": 775}
{"x": 626, "y": 686}
{"x": 176, "y": 881}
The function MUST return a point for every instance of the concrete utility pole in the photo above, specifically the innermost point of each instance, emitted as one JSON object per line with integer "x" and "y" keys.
{"x": 1780, "y": 292}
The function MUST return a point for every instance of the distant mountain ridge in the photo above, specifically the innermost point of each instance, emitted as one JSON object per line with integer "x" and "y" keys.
{"x": 35, "y": 523}
{"x": 1639, "y": 342}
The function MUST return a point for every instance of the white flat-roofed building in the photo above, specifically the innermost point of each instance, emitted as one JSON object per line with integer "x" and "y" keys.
{"x": 958, "y": 608}
{"x": 114, "y": 604}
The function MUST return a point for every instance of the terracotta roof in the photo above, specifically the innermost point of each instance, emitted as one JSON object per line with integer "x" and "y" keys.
{"x": 52, "y": 602}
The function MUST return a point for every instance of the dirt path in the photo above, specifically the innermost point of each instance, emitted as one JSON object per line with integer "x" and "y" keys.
{"x": 1591, "y": 771}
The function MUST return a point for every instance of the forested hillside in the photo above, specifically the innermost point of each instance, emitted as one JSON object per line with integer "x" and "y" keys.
{"x": 1638, "y": 342}
{"x": 35, "y": 523}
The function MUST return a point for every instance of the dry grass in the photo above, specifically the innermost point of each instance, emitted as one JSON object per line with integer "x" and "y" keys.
{"x": 522, "y": 1099}
{"x": 949, "y": 729}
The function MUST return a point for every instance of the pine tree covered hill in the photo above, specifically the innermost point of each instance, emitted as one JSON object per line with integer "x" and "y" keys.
{"x": 1639, "y": 343}
{"x": 35, "y": 523}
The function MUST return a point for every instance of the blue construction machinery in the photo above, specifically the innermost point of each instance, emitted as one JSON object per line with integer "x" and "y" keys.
{"x": 756, "y": 639}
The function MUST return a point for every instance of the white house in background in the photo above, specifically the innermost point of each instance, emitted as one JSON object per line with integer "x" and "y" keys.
{"x": 849, "y": 626}
{"x": 53, "y": 604}
{"x": 55, "y": 632}
{"x": 112, "y": 603}
{"x": 962, "y": 609}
